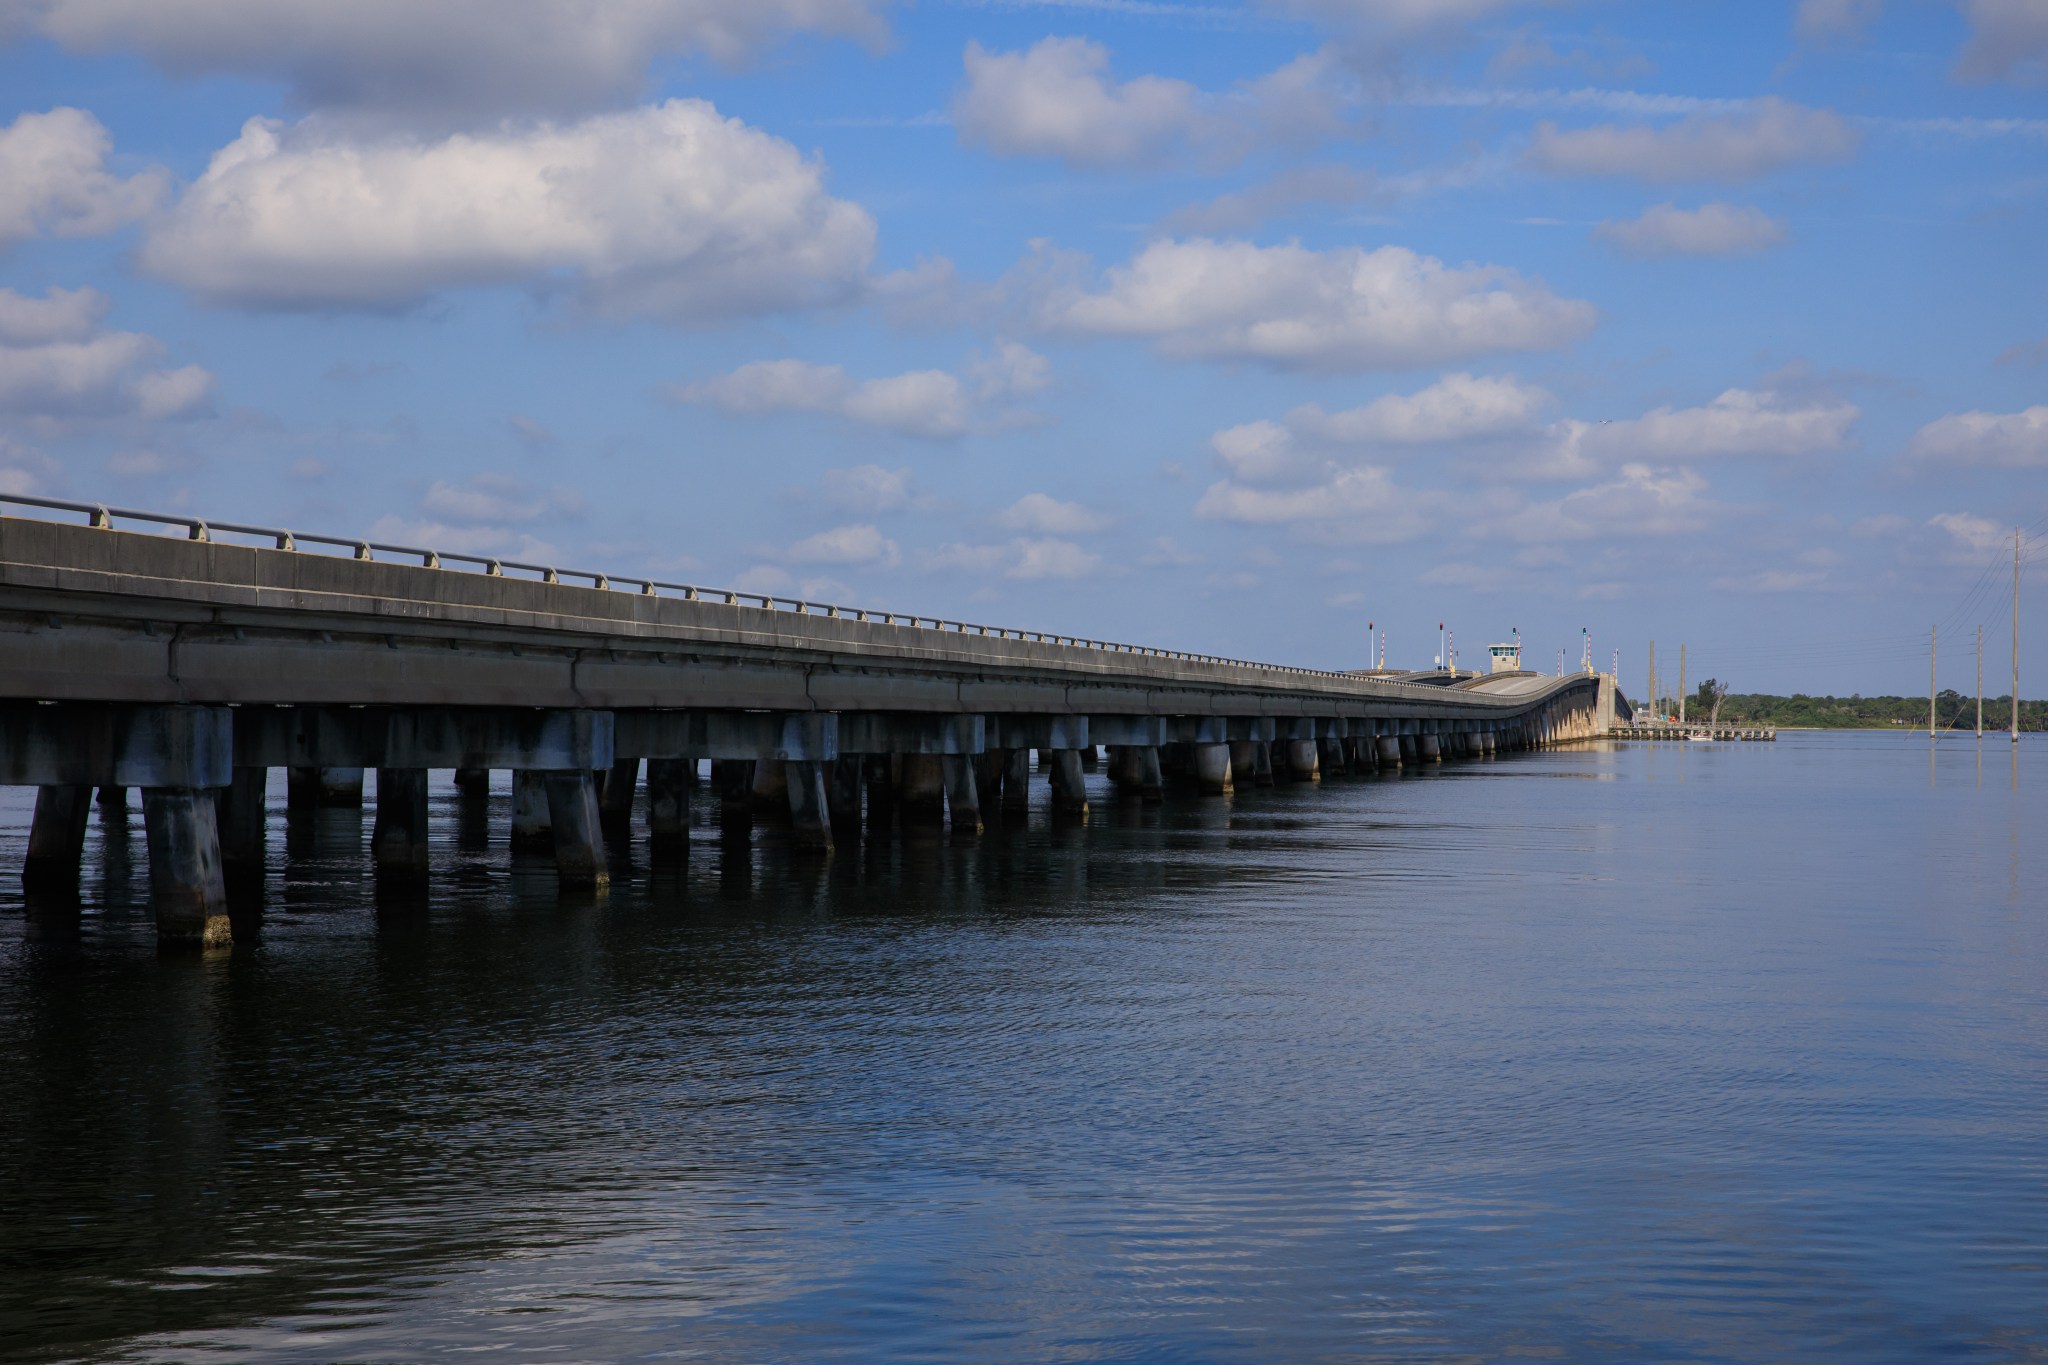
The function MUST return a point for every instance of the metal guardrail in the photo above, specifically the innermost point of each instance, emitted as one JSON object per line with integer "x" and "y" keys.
{"x": 199, "y": 528}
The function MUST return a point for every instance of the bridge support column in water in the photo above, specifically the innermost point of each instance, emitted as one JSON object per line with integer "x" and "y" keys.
{"x": 56, "y": 841}
{"x": 578, "y": 830}
{"x": 1302, "y": 760}
{"x": 398, "y": 840}
{"x": 310, "y": 788}
{"x": 668, "y": 806}
{"x": 616, "y": 805}
{"x": 531, "y": 831}
{"x": 963, "y": 794}
{"x": 1212, "y": 768}
{"x": 771, "y": 790}
{"x": 810, "y": 814}
{"x": 1069, "y": 793}
{"x": 1017, "y": 781}
{"x": 921, "y": 795}
{"x": 473, "y": 783}
{"x": 843, "y": 792}
{"x": 185, "y": 879}
{"x": 239, "y": 815}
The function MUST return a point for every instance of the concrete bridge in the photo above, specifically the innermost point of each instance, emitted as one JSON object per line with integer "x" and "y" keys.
{"x": 189, "y": 665}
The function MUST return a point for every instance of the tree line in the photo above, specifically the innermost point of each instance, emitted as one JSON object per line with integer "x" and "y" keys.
{"x": 1953, "y": 710}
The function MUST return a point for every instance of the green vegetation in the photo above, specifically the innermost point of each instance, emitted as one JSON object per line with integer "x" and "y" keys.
{"x": 1799, "y": 711}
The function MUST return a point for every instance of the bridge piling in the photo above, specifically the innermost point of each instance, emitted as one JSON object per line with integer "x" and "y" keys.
{"x": 615, "y": 805}
{"x": 578, "y": 831}
{"x": 669, "y": 781}
{"x": 56, "y": 838}
{"x": 532, "y": 831}
{"x": 186, "y": 883}
{"x": 240, "y": 816}
{"x": 963, "y": 795}
{"x": 1069, "y": 793}
{"x": 398, "y": 839}
{"x": 473, "y": 783}
{"x": 1212, "y": 769}
{"x": 809, "y": 806}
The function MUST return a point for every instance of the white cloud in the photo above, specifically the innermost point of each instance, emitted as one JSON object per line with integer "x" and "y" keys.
{"x": 1770, "y": 135}
{"x": 1456, "y": 408}
{"x": 497, "y": 541}
{"x": 1772, "y": 581}
{"x": 438, "y": 58}
{"x": 1974, "y": 534}
{"x": 1999, "y": 440}
{"x": 1057, "y": 99}
{"x": 59, "y": 315}
{"x": 669, "y": 212}
{"x": 867, "y": 488}
{"x": 859, "y": 544}
{"x": 1295, "y": 308}
{"x": 1025, "y": 558}
{"x": 1405, "y": 18}
{"x": 1709, "y": 230}
{"x": 55, "y": 362}
{"x": 1049, "y": 516}
{"x": 1739, "y": 422}
{"x": 2008, "y": 42}
{"x": 54, "y": 179}
{"x": 496, "y": 498}
{"x": 1360, "y": 505}
{"x": 1820, "y": 21}
{"x": 1640, "y": 501}
{"x": 930, "y": 404}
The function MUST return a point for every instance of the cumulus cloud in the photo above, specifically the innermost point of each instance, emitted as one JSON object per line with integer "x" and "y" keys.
{"x": 1047, "y": 515}
{"x": 2008, "y": 42}
{"x": 932, "y": 404}
{"x": 1737, "y": 423}
{"x": 501, "y": 542}
{"x": 1823, "y": 21}
{"x": 54, "y": 179}
{"x": 668, "y": 212}
{"x": 1358, "y": 505}
{"x": 1296, "y": 308}
{"x": 862, "y": 544}
{"x": 1456, "y": 408}
{"x": 1639, "y": 501}
{"x": 1025, "y": 558}
{"x": 1995, "y": 440}
{"x": 56, "y": 362}
{"x": 437, "y": 58}
{"x": 496, "y": 498}
{"x": 1769, "y": 136}
{"x": 1058, "y": 98}
{"x": 1709, "y": 230}
{"x": 1970, "y": 533}
{"x": 867, "y": 488}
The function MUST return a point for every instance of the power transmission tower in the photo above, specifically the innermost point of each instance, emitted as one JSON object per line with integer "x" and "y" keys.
{"x": 1980, "y": 682}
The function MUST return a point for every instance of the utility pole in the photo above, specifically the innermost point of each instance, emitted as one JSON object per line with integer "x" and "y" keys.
{"x": 1681, "y": 684}
{"x": 2015, "y": 722}
{"x": 1368, "y": 644}
{"x": 1933, "y": 648}
{"x": 1980, "y": 682}
{"x": 1653, "y": 678}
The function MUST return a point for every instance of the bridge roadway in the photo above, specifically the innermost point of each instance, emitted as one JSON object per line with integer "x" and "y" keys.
{"x": 189, "y": 667}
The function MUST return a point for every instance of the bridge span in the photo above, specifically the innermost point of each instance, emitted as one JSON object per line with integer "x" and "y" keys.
{"x": 189, "y": 665}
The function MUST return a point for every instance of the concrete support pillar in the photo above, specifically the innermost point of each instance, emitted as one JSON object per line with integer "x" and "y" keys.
{"x": 239, "y": 817}
{"x": 578, "y": 829}
{"x": 1365, "y": 754}
{"x": 1123, "y": 768}
{"x": 1017, "y": 781}
{"x": 1488, "y": 741}
{"x": 988, "y": 778}
{"x": 616, "y": 804}
{"x": 1301, "y": 760}
{"x": 1244, "y": 762}
{"x": 734, "y": 778}
{"x": 810, "y": 810}
{"x": 1390, "y": 751}
{"x": 115, "y": 798}
{"x": 668, "y": 805}
{"x": 1069, "y": 793}
{"x": 185, "y": 880}
{"x": 1409, "y": 753}
{"x": 1091, "y": 758}
{"x": 473, "y": 783}
{"x": 341, "y": 788}
{"x": 531, "y": 831}
{"x": 1330, "y": 755}
{"x": 878, "y": 773}
{"x": 1262, "y": 763}
{"x": 1212, "y": 768}
{"x": 56, "y": 841}
{"x": 398, "y": 841}
{"x": 1429, "y": 748}
{"x": 963, "y": 796}
{"x": 771, "y": 789}
{"x": 842, "y": 794}
{"x": 921, "y": 791}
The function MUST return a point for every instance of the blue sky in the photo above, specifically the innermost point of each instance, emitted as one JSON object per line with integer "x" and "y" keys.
{"x": 1220, "y": 326}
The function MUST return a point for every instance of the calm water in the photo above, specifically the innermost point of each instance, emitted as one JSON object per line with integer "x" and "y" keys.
{"x": 1701, "y": 1053}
